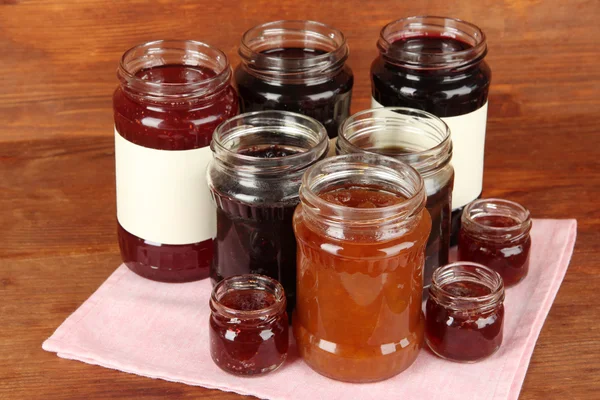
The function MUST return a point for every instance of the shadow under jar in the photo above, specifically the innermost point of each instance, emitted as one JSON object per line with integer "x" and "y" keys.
{"x": 436, "y": 64}
{"x": 465, "y": 312}
{"x": 495, "y": 233}
{"x": 421, "y": 140}
{"x": 361, "y": 229}
{"x": 249, "y": 332}
{"x": 296, "y": 66}
{"x": 259, "y": 160}
{"x": 171, "y": 97}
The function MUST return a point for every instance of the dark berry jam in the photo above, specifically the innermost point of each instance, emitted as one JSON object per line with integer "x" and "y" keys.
{"x": 172, "y": 122}
{"x": 252, "y": 337}
{"x": 269, "y": 151}
{"x": 465, "y": 333}
{"x": 327, "y": 100}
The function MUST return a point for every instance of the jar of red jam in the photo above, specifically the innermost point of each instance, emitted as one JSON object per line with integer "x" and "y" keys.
{"x": 248, "y": 325}
{"x": 495, "y": 233}
{"x": 297, "y": 66}
{"x": 465, "y": 312}
{"x": 171, "y": 97}
{"x": 436, "y": 64}
{"x": 259, "y": 160}
{"x": 421, "y": 140}
{"x": 361, "y": 229}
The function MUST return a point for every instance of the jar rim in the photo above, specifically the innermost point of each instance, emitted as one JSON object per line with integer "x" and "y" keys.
{"x": 511, "y": 209}
{"x": 434, "y": 157}
{"x": 415, "y": 26}
{"x": 152, "y": 53}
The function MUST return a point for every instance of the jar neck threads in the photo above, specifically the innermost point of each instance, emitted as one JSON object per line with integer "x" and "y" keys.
{"x": 178, "y": 53}
{"x": 516, "y": 220}
{"x": 430, "y": 26}
{"x": 415, "y": 137}
{"x": 328, "y": 41}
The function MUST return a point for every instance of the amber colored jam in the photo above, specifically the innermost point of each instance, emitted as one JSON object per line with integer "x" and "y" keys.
{"x": 508, "y": 257}
{"x": 442, "y": 92}
{"x": 248, "y": 345}
{"x": 358, "y": 314}
{"x": 162, "y": 125}
{"x": 326, "y": 100}
{"x": 465, "y": 335}
{"x": 256, "y": 239}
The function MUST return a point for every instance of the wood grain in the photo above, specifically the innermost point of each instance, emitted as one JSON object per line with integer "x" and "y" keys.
{"x": 57, "y": 208}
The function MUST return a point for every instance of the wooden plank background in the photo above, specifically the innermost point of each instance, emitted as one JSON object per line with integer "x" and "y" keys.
{"x": 57, "y": 202}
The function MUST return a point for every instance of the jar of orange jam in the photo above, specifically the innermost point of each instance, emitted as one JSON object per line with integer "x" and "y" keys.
{"x": 361, "y": 229}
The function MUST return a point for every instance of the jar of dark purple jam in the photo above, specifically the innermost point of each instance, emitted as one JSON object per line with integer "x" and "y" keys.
{"x": 297, "y": 66}
{"x": 171, "y": 97}
{"x": 437, "y": 65}
{"x": 259, "y": 160}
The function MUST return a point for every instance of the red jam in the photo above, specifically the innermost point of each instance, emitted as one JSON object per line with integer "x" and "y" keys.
{"x": 181, "y": 122}
{"x": 248, "y": 330}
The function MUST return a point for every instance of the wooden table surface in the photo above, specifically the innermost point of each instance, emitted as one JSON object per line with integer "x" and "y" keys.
{"x": 57, "y": 195}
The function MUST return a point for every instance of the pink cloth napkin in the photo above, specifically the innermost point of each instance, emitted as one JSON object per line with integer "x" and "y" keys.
{"x": 160, "y": 330}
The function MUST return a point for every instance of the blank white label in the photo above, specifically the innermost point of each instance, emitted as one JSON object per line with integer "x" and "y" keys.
{"x": 468, "y": 145}
{"x": 162, "y": 195}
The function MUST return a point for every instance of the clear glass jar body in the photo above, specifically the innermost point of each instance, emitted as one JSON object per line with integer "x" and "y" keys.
{"x": 436, "y": 64}
{"x": 495, "y": 233}
{"x": 259, "y": 160}
{"x": 172, "y": 95}
{"x": 296, "y": 66}
{"x": 248, "y": 328}
{"x": 465, "y": 312}
{"x": 421, "y": 140}
{"x": 358, "y": 313}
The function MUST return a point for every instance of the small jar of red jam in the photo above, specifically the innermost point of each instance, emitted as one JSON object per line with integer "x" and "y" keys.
{"x": 465, "y": 312}
{"x": 436, "y": 64}
{"x": 259, "y": 160}
{"x": 248, "y": 325}
{"x": 361, "y": 228}
{"x": 495, "y": 233}
{"x": 171, "y": 97}
{"x": 297, "y": 66}
{"x": 421, "y": 140}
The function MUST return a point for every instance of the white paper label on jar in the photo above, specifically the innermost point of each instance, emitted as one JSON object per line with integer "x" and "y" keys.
{"x": 162, "y": 195}
{"x": 468, "y": 144}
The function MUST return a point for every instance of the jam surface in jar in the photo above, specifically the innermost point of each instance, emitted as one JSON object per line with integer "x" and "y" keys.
{"x": 175, "y": 107}
{"x": 248, "y": 329}
{"x": 465, "y": 317}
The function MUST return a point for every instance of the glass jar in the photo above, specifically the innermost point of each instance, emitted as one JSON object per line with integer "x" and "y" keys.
{"x": 296, "y": 66}
{"x": 361, "y": 229}
{"x": 248, "y": 325}
{"x": 259, "y": 160}
{"x": 421, "y": 140}
{"x": 465, "y": 312}
{"x": 495, "y": 233}
{"x": 172, "y": 95}
{"x": 436, "y": 64}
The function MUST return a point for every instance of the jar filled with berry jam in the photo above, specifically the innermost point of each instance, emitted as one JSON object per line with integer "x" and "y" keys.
{"x": 421, "y": 140}
{"x": 248, "y": 325}
{"x": 297, "y": 66}
{"x": 171, "y": 97}
{"x": 259, "y": 160}
{"x": 465, "y": 312}
{"x": 495, "y": 233}
{"x": 437, "y": 65}
{"x": 361, "y": 228}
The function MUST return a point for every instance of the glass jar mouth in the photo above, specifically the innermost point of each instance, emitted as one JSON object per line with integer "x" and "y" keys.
{"x": 368, "y": 169}
{"x": 248, "y": 282}
{"x": 419, "y": 26}
{"x": 293, "y": 34}
{"x": 464, "y": 271}
{"x": 497, "y": 207}
{"x": 174, "y": 52}
{"x": 424, "y": 139}
{"x": 273, "y": 127}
